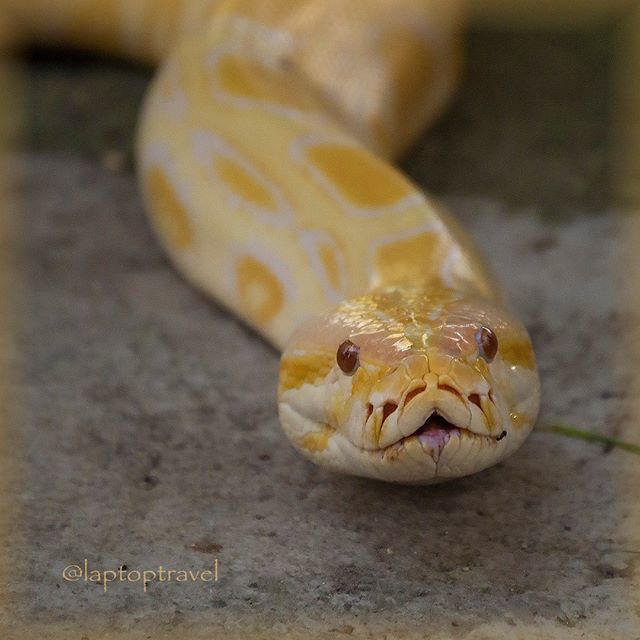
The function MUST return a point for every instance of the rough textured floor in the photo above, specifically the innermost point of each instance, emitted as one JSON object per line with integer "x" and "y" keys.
{"x": 147, "y": 417}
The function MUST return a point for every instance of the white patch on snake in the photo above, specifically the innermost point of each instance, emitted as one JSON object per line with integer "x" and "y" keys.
{"x": 265, "y": 40}
{"x": 169, "y": 95}
{"x": 207, "y": 147}
{"x": 312, "y": 241}
{"x": 456, "y": 268}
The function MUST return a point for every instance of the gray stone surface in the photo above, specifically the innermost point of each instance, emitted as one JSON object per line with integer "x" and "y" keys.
{"x": 147, "y": 416}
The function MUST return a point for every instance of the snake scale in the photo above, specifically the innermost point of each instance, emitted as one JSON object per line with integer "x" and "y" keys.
{"x": 263, "y": 153}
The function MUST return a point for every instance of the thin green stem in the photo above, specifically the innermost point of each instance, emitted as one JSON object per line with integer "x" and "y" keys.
{"x": 591, "y": 436}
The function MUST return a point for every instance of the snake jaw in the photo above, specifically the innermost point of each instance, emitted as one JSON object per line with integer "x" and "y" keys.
{"x": 423, "y": 432}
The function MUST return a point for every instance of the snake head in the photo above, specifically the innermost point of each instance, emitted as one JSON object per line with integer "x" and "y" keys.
{"x": 409, "y": 386}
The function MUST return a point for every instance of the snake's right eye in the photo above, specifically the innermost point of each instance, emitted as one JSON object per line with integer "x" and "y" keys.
{"x": 487, "y": 343}
{"x": 348, "y": 357}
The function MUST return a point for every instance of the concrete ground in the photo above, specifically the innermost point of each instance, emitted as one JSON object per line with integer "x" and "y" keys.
{"x": 147, "y": 425}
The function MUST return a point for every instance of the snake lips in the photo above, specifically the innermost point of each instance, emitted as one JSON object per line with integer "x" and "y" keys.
{"x": 444, "y": 397}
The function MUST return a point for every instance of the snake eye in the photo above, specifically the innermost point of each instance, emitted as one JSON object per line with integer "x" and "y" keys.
{"x": 348, "y": 357}
{"x": 487, "y": 343}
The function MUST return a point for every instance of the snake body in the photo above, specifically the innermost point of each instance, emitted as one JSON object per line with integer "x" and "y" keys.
{"x": 262, "y": 154}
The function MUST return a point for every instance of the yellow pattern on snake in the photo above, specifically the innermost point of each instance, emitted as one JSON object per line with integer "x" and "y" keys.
{"x": 262, "y": 152}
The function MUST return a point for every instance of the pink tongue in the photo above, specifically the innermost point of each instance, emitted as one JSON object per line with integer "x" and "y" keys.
{"x": 435, "y": 432}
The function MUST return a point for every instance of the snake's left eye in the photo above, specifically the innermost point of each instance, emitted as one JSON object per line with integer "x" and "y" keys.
{"x": 348, "y": 357}
{"x": 487, "y": 343}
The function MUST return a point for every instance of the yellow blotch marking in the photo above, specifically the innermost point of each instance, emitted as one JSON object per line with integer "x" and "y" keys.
{"x": 330, "y": 263}
{"x": 298, "y": 370}
{"x": 168, "y": 213}
{"x": 361, "y": 178}
{"x": 316, "y": 441}
{"x": 249, "y": 79}
{"x": 259, "y": 289}
{"x": 419, "y": 255}
{"x": 243, "y": 184}
{"x": 517, "y": 352}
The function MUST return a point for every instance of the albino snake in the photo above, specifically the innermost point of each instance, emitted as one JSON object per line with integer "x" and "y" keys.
{"x": 261, "y": 156}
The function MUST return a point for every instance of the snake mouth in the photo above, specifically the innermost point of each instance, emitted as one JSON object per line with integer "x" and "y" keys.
{"x": 435, "y": 423}
{"x": 430, "y": 416}
{"x": 436, "y": 431}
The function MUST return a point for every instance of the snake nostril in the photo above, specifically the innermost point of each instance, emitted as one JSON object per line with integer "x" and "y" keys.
{"x": 448, "y": 388}
{"x": 412, "y": 394}
{"x": 369, "y": 411}
{"x": 388, "y": 409}
{"x": 475, "y": 398}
